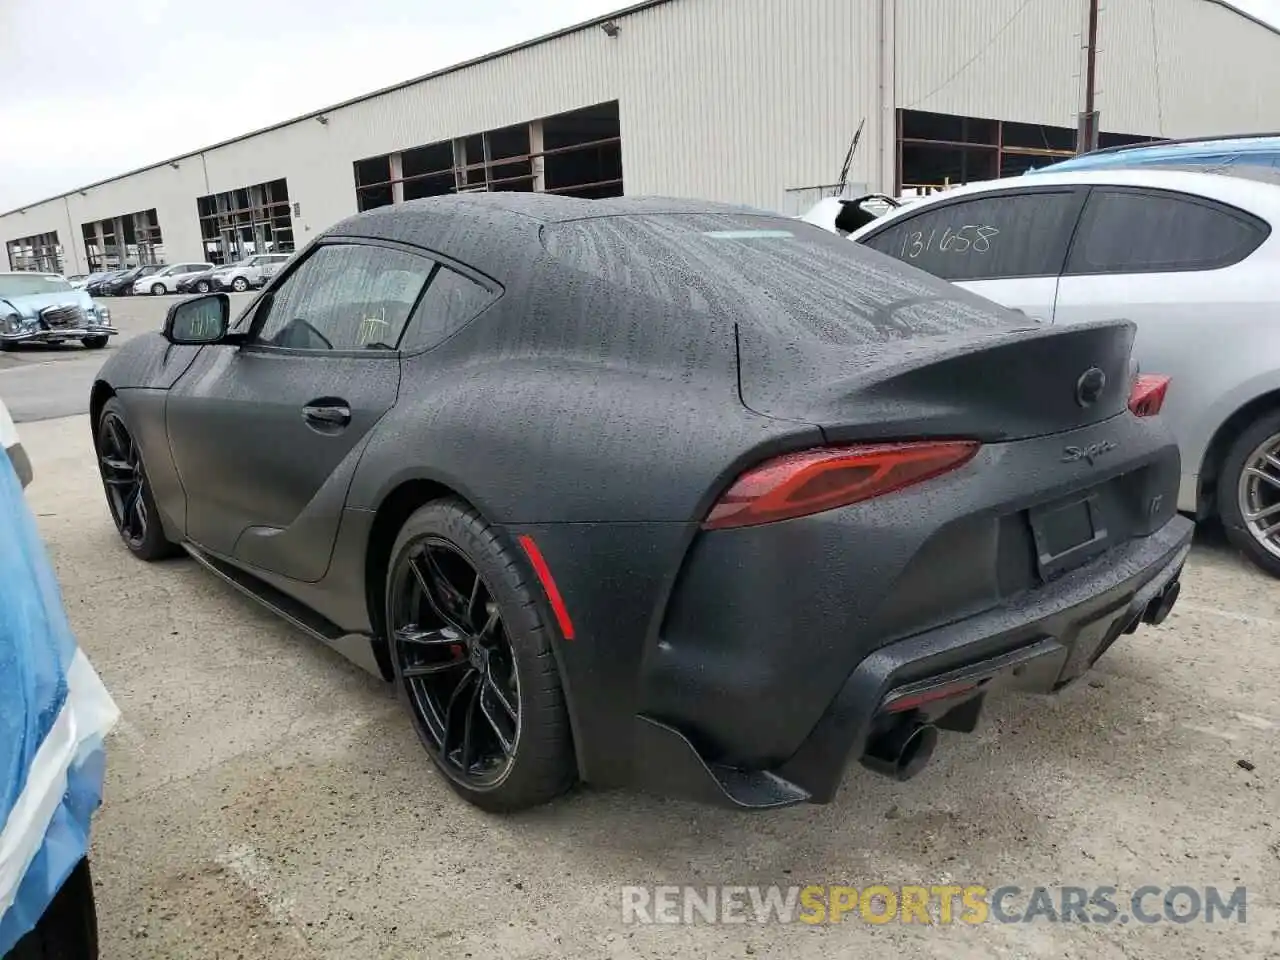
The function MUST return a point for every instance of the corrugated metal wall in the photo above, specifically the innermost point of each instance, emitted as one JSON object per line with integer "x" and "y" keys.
{"x": 746, "y": 100}
{"x": 1001, "y": 59}
{"x": 1165, "y": 67}
{"x": 752, "y": 101}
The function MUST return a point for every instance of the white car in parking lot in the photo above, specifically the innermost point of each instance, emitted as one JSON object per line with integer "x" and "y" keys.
{"x": 166, "y": 280}
{"x": 249, "y": 273}
{"x": 1192, "y": 257}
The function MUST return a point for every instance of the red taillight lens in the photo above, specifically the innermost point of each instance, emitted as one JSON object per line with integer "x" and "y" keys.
{"x": 799, "y": 484}
{"x": 1147, "y": 396}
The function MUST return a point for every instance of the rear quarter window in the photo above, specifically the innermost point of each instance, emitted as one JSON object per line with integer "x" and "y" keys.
{"x": 790, "y": 278}
{"x": 1141, "y": 231}
{"x": 450, "y": 302}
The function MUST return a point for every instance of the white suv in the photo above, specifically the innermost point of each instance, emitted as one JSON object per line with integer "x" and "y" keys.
{"x": 166, "y": 280}
{"x": 249, "y": 273}
{"x": 12, "y": 446}
{"x": 1192, "y": 257}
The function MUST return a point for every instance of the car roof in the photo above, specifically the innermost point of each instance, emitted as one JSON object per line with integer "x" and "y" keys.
{"x": 1255, "y": 189}
{"x": 1172, "y": 150}
{"x": 489, "y": 230}
{"x": 550, "y": 207}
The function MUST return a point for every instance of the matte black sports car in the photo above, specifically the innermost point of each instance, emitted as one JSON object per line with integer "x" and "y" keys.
{"x": 660, "y": 493}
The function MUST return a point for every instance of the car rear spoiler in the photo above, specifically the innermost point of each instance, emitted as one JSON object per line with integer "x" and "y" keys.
{"x": 844, "y": 216}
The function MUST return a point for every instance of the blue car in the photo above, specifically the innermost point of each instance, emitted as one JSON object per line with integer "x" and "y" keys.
{"x": 54, "y": 713}
{"x": 45, "y": 308}
{"x": 1252, "y": 151}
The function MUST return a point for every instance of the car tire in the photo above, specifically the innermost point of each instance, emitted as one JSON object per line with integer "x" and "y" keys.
{"x": 202, "y": 286}
{"x": 8, "y": 346}
{"x": 529, "y": 752}
{"x": 127, "y": 488}
{"x": 239, "y": 284}
{"x": 158, "y": 290}
{"x": 1260, "y": 438}
{"x": 95, "y": 343}
{"x": 68, "y": 929}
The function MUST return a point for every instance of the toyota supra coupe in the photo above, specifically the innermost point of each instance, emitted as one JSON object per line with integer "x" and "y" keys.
{"x": 680, "y": 496}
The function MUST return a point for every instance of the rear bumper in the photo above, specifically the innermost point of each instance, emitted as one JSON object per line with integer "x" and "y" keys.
{"x": 1039, "y": 642}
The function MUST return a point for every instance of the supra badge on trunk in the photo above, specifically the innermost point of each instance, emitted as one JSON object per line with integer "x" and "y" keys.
{"x": 1089, "y": 453}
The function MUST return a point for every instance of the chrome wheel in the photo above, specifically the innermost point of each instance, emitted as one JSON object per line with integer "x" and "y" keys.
{"x": 1258, "y": 493}
{"x": 457, "y": 664}
{"x": 124, "y": 479}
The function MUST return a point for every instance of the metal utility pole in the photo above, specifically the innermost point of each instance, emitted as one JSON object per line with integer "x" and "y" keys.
{"x": 1087, "y": 131}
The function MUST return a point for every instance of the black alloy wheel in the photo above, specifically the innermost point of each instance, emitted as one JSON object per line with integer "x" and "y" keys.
{"x": 124, "y": 479}
{"x": 458, "y": 663}
{"x": 473, "y": 662}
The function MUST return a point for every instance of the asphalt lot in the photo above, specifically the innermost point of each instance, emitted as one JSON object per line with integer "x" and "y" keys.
{"x": 266, "y": 800}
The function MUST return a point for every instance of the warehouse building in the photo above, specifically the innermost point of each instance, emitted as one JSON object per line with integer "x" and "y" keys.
{"x": 750, "y": 101}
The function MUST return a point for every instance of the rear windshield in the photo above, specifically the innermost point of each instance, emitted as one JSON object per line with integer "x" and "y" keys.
{"x": 789, "y": 277}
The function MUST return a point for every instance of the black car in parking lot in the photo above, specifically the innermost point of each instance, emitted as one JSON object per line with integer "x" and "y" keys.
{"x": 196, "y": 283}
{"x": 121, "y": 284}
{"x": 648, "y": 492}
{"x": 94, "y": 286}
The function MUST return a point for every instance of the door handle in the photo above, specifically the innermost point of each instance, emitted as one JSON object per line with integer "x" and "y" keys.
{"x": 327, "y": 414}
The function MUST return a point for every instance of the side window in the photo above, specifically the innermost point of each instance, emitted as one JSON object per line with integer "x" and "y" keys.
{"x": 449, "y": 303}
{"x": 1128, "y": 231}
{"x": 344, "y": 297}
{"x": 990, "y": 237}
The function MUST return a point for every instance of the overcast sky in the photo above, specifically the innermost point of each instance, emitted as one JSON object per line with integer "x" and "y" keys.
{"x": 90, "y": 89}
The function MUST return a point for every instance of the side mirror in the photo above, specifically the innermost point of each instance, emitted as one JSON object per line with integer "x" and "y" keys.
{"x": 200, "y": 320}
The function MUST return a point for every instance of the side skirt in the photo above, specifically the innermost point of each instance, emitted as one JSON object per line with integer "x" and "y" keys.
{"x": 356, "y": 647}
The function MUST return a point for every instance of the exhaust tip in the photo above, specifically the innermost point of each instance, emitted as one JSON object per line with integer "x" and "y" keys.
{"x": 917, "y": 751}
{"x": 903, "y": 752}
{"x": 1158, "y": 610}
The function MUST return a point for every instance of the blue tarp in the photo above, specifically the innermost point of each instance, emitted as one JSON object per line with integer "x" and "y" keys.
{"x": 37, "y": 653}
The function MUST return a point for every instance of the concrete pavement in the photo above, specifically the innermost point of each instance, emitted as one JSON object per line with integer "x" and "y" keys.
{"x": 266, "y": 800}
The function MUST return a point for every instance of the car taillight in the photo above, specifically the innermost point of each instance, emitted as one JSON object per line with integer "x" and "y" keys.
{"x": 808, "y": 482}
{"x": 1147, "y": 396}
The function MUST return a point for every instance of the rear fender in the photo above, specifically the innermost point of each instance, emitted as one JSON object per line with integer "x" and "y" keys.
{"x": 1212, "y": 433}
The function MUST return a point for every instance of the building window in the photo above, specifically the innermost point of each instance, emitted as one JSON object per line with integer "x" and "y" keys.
{"x": 41, "y": 253}
{"x": 129, "y": 240}
{"x": 577, "y": 153}
{"x": 240, "y": 223}
{"x": 938, "y": 150}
